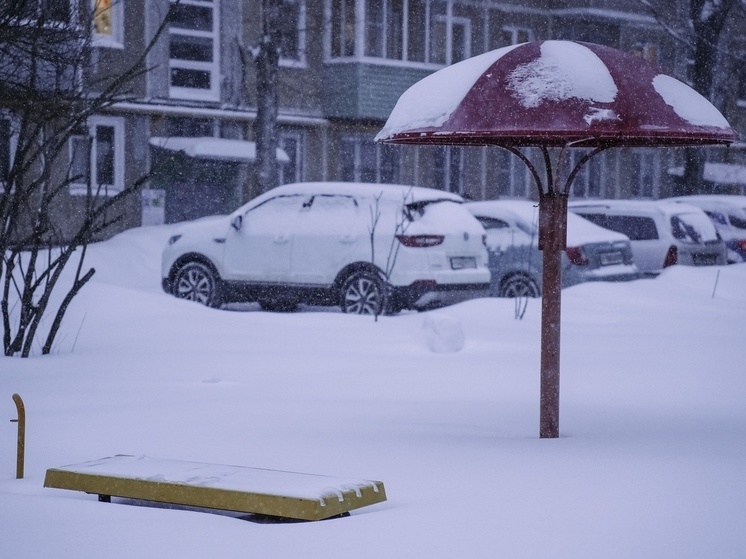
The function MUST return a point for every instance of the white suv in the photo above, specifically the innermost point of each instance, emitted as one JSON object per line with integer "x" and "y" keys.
{"x": 370, "y": 248}
{"x": 661, "y": 233}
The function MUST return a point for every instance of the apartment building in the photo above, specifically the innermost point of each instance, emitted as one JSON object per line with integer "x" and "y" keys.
{"x": 189, "y": 120}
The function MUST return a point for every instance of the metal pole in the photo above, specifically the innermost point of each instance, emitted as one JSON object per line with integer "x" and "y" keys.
{"x": 552, "y": 241}
{"x": 21, "y": 434}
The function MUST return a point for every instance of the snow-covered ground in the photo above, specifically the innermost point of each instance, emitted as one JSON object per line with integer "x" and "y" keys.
{"x": 650, "y": 463}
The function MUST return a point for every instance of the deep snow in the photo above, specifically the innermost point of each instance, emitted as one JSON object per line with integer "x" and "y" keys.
{"x": 650, "y": 462}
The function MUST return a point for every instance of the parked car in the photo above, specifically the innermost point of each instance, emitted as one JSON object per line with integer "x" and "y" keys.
{"x": 370, "y": 248}
{"x": 728, "y": 214}
{"x": 515, "y": 261}
{"x": 662, "y": 233}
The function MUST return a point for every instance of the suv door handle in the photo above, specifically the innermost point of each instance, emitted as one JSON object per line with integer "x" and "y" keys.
{"x": 281, "y": 239}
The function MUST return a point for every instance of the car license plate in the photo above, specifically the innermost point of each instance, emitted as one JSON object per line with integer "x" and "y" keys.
{"x": 705, "y": 259}
{"x": 611, "y": 258}
{"x": 462, "y": 262}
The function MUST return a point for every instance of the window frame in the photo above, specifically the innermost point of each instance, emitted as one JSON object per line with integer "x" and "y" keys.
{"x": 94, "y": 122}
{"x": 449, "y": 166}
{"x": 296, "y": 162}
{"x": 299, "y": 60}
{"x": 360, "y": 141}
{"x": 341, "y": 25}
{"x": 12, "y": 144}
{"x": 114, "y": 40}
{"x": 212, "y": 67}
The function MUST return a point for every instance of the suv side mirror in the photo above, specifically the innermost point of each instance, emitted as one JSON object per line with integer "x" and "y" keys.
{"x": 237, "y": 222}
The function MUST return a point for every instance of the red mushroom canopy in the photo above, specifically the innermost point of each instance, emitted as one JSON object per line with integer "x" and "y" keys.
{"x": 551, "y": 93}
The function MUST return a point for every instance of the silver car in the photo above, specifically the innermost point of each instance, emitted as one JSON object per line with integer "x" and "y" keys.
{"x": 515, "y": 261}
{"x": 728, "y": 215}
{"x": 662, "y": 233}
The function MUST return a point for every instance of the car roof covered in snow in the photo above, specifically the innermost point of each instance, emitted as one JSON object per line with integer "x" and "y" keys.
{"x": 395, "y": 192}
{"x": 579, "y": 231}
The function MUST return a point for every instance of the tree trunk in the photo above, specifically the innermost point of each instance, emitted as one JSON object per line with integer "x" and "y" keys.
{"x": 707, "y": 19}
{"x": 267, "y": 60}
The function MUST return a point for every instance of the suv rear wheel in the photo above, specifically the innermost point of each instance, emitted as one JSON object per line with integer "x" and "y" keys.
{"x": 196, "y": 281}
{"x": 364, "y": 292}
{"x": 519, "y": 286}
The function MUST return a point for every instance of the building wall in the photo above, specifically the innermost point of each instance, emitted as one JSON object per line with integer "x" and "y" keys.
{"x": 331, "y": 107}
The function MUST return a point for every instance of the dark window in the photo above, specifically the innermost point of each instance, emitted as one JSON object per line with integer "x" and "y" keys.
{"x": 5, "y": 153}
{"x": 184, "y": 47}
{"x": 736, "y": 221}
{"x": 105, "y": 154}
{"x": 492, "y": 223}
{"x": 79, "y": 159}
{"x": 636, "y": 228}
{"x": 192, "y": 17}
{"x": 290, "y": 22}
{"x": 196, "y": 79}
{"x": 191, "y": 127}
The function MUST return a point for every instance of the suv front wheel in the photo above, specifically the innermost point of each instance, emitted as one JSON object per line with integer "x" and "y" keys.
{"x": 364, "y": 292}
{"x": 196, "y": 281}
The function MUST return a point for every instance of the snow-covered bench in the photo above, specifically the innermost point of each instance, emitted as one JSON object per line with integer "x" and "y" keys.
{"x": 232, "y": 488}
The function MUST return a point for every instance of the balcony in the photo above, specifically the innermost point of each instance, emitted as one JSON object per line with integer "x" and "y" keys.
{"x": 361, "y": 90}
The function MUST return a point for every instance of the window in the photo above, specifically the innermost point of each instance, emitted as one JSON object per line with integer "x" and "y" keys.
{"x": 193, "y": 50}
{"x": 588, "y": 183}
{"x": 292, "y": 144}
{"x": 637, "y": 228}
{"x": 449, "y": 169}
{"x": 107, "y": 23}
{"x": 511, "y": 35}
{"x": 646, "y": 51}
{"x": 292, "y": 32}
{"x": 644, "y": 173}
{"x": 47, "y": 10}
{"x": 7, "y": 149}
{"x": 512, "y": 175}
{"x": 365, "y": 161}
{"x": 98, "y": 156}
{"x": 420, "y": 31}
{"x": 190, "y": 127}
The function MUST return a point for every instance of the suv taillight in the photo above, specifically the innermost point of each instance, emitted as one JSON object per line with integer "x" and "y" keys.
{"x": 741, "y": 244}
{"x": 576, "y": 256}
{"x": 672, "y": 257}
{"x": 420, "y": 240}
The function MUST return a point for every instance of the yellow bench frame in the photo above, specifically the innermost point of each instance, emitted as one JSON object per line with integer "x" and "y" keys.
{"x": 231, "y": 488}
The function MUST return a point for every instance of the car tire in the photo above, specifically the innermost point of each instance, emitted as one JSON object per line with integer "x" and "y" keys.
{"x": 519, "y": 286}
{"x": 198, "y": 282}
{"x": 364, "y": 292}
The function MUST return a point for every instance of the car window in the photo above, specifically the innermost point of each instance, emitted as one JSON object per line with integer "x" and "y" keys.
{"x": 329, "y": 214}
{"x": 736, "y": 221}
{"x": 274, "y": 209}
{"x": 637, "y": 228}
{"x": 693, "y": 227}
{"x": 717, "y": 217}
{"x": 330, "y": 202}
{"x": 492, "y": 223}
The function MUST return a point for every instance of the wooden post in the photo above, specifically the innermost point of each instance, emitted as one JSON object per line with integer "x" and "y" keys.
{"x": 552, "y": 241}
{"x": 21, "y": 434}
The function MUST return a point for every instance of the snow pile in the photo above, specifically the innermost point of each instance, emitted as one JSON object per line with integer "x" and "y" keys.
{"x": 443, "y": 333}
{"x": 649, "y": 463}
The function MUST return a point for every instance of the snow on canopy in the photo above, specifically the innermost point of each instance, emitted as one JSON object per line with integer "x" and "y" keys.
{"x": 548, "y": 93}
{"x": 563, "y": 71}
{"x": 687, "y": 103}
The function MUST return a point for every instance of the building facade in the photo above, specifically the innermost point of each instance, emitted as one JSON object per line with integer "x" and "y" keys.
{"x": 188, "y": 121}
